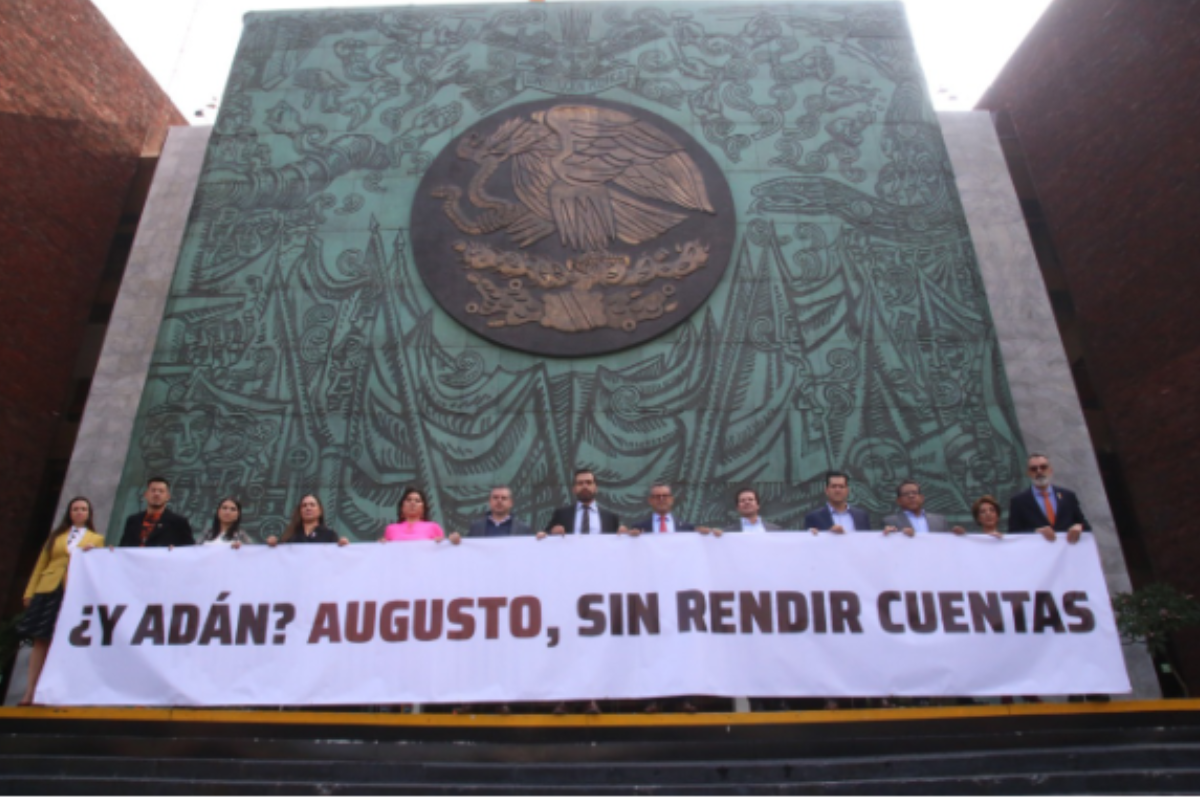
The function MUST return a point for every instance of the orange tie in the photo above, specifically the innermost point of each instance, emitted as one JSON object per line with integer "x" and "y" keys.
{"x": 662, "y": 524}
{"x": 1049, "y": 506}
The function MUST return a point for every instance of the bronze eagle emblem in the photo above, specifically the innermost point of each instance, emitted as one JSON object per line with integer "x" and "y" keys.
{"x": 594, "y": 175}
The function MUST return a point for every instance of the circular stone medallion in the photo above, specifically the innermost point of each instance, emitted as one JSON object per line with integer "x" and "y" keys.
{"x": 572, "y": 226}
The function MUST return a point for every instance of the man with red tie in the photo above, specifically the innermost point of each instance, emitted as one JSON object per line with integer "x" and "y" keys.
{"x": 661, "y": 500}
{"x": 1044, "y": 507}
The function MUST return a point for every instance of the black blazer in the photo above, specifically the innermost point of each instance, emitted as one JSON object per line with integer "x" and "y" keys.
{"x": 322, "y": 535}
{"x": 822, "y": 518}
{"x": 647, "y": 525}
{"x": 565, "y": 516}
{"x": 172, "y": 529}
{"x": 1025, "y": 513}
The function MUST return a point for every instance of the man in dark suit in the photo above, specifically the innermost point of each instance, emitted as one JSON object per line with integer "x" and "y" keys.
{"x": 584, "y": 515}
{"x": 911, "y": 518}
{"x": 499, "y": 522}
{"x": 837, "y": 515}
{"x": 748, "y": 519}
{"x": 157, "y": 526}
{"x": 661, "y": 500}
{"x": 1046, "y": 508}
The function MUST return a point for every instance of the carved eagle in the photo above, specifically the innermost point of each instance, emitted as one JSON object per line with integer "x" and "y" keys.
{"x": 589, "y": 173}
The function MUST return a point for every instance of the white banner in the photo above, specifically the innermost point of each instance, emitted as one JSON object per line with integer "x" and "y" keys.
{"x": 578, "y": 617}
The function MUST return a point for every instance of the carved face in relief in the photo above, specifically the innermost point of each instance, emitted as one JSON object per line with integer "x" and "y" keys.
{"x": 878, "y": 464}
{"x": 176, "y": 434}
{"x": 974, "y": 463}
{"x": 575, "y": 227}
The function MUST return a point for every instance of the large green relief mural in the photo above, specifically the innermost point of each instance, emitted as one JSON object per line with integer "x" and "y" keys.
{"x": 726, "y": 239}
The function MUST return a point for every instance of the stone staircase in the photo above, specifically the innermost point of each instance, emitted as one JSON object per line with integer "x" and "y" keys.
{"x": 1058, "y": 752}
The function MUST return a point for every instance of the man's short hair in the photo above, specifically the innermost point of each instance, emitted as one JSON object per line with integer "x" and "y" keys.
{"x": 659, "y": 485}
{"x": 159, "y": 479}
{"x": 1036, "y": 454}
{"x": 743, "y": 490}
{"x": 500, "y": 487}
{"x": 900, "y": 487}
{"x": 582, "y": 471}
{"x": 829, "y": 476}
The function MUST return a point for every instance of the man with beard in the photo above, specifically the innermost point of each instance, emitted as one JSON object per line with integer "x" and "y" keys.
{"x": 584, "y": 516}
{"x": 157, "y": 526}
{"x": 1046, "y": 508}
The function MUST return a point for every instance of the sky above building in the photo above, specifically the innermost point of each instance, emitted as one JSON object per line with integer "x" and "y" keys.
{"x": 188, "y": 45}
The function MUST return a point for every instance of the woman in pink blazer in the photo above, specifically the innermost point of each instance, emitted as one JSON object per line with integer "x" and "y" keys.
{"x": 414, "y": 519}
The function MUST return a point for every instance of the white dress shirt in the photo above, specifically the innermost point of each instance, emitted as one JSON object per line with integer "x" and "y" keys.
{"x": 753, "y": 527}
{"x": 658, "y": 523}
{"x": 843, "y": 518}
{"x": 594, "y": 518}
{"x": 918, "y": 522}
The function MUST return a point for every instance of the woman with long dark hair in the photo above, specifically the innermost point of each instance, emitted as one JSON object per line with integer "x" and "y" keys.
{"x": 308, "y": 526}
{"x": 226, "y": 528}
{"x": 413, "y": 523}
{"x": 44, "y": 594}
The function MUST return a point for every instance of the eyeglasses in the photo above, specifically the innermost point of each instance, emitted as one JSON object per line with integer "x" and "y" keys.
{"x": 659, "y": 496}
{"x": 1039, "y": 467}
{"x": 910, "y": 493}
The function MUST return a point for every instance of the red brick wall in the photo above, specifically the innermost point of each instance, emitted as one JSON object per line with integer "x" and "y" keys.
{"x": 77, "y": 110}
{"x": 1103, "y": 99}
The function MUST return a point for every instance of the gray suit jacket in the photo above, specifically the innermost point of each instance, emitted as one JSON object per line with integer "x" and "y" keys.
{"x": 937, "y": 522}
{"x": 479, "y": 528}
{"x": 737, "y": 526}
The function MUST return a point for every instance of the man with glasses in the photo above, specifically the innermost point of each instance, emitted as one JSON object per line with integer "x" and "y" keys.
{"x": 1044, "y": 507}
{"x": 912, "y": 517}
{"x": 662, "y": 500}
{"x": 662, "y": 520}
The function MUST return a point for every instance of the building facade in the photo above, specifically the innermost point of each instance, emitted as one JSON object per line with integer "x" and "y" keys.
{"x": 1096, "y": 114}
{"x": 80, "y": 124}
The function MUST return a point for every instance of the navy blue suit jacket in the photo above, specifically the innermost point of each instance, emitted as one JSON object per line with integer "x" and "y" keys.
{"x": 822, "y": 518}
{"x": 1025, "y": 512}
{"x": 647, "y": 525}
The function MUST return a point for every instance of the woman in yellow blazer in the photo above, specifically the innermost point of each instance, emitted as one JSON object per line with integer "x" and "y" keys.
{"x": 44, "y": 595}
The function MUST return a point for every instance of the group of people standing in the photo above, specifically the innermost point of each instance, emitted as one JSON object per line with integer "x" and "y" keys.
{"x": 1042, "y": 508}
